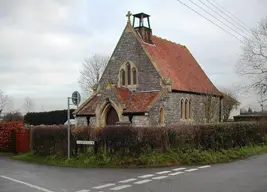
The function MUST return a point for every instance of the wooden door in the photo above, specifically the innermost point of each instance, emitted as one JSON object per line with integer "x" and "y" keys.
{"x": 112, "y": 117}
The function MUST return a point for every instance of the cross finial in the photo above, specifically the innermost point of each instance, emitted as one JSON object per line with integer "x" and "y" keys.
{"x": 129, "y": 14}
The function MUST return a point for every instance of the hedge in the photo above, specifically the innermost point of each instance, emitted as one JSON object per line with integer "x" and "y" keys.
{"x": 133, "y": 141}
{"x": 50, "y": 140}
{"x": 58, "y": 117}
{"x": 8, "y": 132}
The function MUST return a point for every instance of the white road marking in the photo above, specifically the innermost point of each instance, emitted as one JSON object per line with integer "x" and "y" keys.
{"x": 120, "y": 187}
{"x": 83, "y": 190}
{"x": 143, "y": 181}
{"x": 190, "y": 170}
{"x": 179, "y": 169}
{"x": 145, "y": 176}
{"x": 203, "y": 167}
{"x": 160, "y": 177}
{"x": 176, "y": 173}
{"x": 163, "y": 172}
{"x": 104, "y": 186}
{"x": 127, "y": 180}
{"x": 27, "y": 184}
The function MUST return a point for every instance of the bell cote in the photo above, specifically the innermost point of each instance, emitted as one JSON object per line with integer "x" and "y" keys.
{"x": 141, "y": 24}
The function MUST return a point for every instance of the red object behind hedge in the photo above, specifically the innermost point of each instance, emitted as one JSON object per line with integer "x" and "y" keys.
{"x": 23, "y": 142}
{"x": 8, "y": 132}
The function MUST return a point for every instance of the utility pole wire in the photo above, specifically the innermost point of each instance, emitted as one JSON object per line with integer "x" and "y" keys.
{"x": 247, "y": 32}
{"x": 209, "y": 20}
{"x": 217, "y": 18}
{"x": 229, "y": 14}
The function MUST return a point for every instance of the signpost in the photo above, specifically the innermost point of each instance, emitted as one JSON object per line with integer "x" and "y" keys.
{"x": 76, "y": 99}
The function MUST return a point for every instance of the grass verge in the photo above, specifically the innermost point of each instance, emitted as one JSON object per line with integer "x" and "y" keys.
{"x": 153, "y": 159}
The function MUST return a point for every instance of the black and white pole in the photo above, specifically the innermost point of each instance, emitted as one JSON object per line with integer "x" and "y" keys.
{"x": 76, "y": 99}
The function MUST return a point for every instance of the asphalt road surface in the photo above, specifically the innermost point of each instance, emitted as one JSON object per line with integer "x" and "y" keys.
{"x": 242, "y": 176}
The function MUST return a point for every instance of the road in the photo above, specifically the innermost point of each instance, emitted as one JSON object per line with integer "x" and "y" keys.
{"x": 248, "y": 175}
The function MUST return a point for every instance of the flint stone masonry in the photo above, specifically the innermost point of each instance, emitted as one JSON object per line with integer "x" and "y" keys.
{"x": 129, "y": 49}
{"x": 81, "y": 121}
{"x": 171, "y": 103}
{"x": 140, "y": 121}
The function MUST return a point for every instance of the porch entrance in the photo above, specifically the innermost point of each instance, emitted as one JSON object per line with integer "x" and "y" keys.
{"x": 112, "y": 116}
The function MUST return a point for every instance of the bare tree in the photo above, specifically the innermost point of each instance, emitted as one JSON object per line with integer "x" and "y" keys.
{"x": 91, "y": 72}
{"x": 228, "y": 104}
{"x": 253, "y": 61}
{"x": 28, "y": 104}
{"x": 3, "y": 100}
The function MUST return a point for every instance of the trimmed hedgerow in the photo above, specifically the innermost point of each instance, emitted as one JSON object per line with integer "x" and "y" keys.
{"x": 50, "y": 140}
{"x": 83, "y": 133}
{"x": 134, "y": 141}
{"x": 8, "y": 132}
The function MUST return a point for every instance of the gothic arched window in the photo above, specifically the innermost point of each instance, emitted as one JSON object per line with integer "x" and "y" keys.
{"x": 122, "y": 77}
{"x": 161, "y": 116}
{"x": 134, "y": 76}
{"x": 186, "y": 109}
{"x": 182, "y": 109}
{"x": 129, "y": 73}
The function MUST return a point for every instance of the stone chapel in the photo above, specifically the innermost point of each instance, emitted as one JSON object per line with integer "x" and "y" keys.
{"x": 150, "y": 81}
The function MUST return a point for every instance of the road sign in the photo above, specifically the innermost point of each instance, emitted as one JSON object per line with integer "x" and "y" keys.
{"x": 85, "y": 142}
{"x": 76, "y": 98}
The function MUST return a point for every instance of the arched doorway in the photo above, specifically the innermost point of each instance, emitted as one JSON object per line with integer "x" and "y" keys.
{"x": 112, "y": 116}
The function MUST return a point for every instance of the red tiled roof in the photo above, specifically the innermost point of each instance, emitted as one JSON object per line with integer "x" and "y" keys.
{"x": 176, "y": 62}
{"x": 135, "y": 102}
{"x": 89, "y": 108}
{"x": 140, "y": 102}
{"x": 123, "y": 94}
{"x": 130, "y": 101}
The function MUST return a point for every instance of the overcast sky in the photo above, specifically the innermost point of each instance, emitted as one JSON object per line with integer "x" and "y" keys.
{"x": 43, "y": 43}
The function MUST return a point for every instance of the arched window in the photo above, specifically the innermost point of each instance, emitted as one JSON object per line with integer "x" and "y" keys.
{"x": 134, "y": 76}
{"x": 182, "y": 108}
{"x": 186, "y": 109}
{"x": 129, "y": 73}
{"x": 161, "y": 116}
{"x": 190, "y": 110}
{"x": 122, "y": 77}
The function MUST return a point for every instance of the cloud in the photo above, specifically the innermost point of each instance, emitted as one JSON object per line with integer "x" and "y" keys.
{"x": 43, "y": 43}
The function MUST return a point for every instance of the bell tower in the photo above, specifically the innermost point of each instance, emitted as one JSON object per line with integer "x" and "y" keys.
{"x": 143, "y": 26}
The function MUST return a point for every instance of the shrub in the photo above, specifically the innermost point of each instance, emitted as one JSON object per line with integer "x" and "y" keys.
{"x": 50, "y": 140}
{"x": 7, "y": 135}
{"x": 118, "y": 140}
{"x": 83, "y": 133}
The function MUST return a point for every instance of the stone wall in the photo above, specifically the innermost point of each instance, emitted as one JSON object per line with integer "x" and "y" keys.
{"x": 140, "y": 121}
{"x": 81, "y": 121}
{"x": 92, "y": 121}
{"x": 129, "y": 49}
{"x": 171, "y": 103}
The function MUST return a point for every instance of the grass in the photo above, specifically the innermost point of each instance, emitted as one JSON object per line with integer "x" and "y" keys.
{"x": 153, "y": 159}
